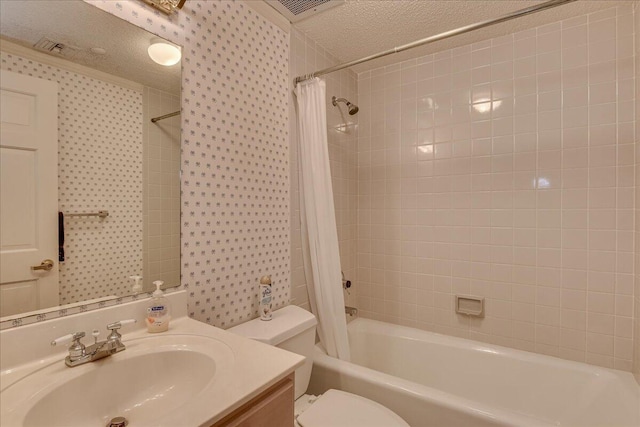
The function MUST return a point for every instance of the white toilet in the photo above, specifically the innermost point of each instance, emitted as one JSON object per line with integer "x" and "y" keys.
{"x": 294, "y": 329}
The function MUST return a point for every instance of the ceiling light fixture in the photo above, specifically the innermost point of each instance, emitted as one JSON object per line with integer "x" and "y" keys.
{"x": 163, "y": 52}
{"x": 166, "y": 6}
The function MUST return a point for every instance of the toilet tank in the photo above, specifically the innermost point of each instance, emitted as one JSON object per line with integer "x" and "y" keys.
{"x": 293, "y": 329}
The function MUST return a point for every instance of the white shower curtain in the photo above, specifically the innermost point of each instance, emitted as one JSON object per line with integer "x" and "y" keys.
{"x": 317, "y": 212}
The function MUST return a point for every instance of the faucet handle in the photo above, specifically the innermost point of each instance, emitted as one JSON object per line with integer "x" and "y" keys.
{"x": 76, "y": 336}
{"x": 113, "y": 327}
{"x": 76, "y": 349}
{"x": 117, "y": 325}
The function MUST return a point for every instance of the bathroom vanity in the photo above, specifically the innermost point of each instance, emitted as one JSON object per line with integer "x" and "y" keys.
{"x": 272, "y": 408}
{"x": 193, "y": 375}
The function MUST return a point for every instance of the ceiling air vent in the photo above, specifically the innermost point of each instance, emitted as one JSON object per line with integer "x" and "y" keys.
{"x": 297, "y": 10}
{"x": 49, "y": 45}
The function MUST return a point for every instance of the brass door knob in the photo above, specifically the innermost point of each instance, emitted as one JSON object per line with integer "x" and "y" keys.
{"x": 45, "y": 265}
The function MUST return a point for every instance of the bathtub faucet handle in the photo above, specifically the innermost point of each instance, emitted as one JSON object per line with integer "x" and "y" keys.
{"x": 346, "y": 284}
{"x": 351, "y": 311}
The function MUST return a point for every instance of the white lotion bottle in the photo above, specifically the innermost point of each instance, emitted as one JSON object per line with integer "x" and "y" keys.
{"x": 157, "y": 316}
{"x": 265, "y": 298}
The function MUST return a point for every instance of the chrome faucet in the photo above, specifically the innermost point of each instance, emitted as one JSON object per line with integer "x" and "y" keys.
{"x": 351, "y": 311}
{"x": 79, "y": 354}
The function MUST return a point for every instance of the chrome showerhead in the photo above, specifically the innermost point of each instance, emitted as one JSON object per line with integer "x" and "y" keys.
{"x": 352, "y": 108}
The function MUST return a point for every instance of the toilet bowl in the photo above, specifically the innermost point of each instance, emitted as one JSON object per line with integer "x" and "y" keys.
{"x": 337, "y": 408}
{"x": 294, "y": 329}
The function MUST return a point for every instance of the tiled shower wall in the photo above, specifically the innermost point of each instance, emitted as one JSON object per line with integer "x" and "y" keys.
{"x": 161, "y": 191}
{"x": 505, "y": 169}
{"x": 97, "y": 155}
{"x": 305, "y": 57}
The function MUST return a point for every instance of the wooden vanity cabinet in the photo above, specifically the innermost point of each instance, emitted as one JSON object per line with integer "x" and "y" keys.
{"x": 271, "y": 408}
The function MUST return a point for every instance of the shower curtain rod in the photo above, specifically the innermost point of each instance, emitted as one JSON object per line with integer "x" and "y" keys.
{"x": 513, "y": 15}
{"x": 166, "y": 116}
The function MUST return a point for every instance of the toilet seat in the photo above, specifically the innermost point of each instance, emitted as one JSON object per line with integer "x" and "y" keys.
{"x": 337, "y": 408}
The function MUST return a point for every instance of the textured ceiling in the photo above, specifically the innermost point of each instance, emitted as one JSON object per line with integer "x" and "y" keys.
{"x": 359, "y": 28}
{"x": 84, "y": 26}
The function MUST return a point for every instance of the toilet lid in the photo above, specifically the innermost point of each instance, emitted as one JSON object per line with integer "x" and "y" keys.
{"x": 337, "y": 408}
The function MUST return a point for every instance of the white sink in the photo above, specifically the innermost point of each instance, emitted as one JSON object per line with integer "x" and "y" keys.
{"x": 193, "y": 375}
{"x": 146, "y": 383}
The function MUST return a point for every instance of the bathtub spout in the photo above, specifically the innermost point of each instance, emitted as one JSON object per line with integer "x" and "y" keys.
{"x": 351, "y": 311}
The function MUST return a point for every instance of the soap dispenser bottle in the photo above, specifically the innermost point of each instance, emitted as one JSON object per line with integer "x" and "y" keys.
{"x": 158, "y": 317}
{"x": 137, "y": 285}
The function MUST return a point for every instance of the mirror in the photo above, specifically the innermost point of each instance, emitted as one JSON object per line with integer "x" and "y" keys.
{"x": 111, "y": 157}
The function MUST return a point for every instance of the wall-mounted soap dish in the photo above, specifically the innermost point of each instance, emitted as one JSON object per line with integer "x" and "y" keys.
{"x": 470, "y": 305}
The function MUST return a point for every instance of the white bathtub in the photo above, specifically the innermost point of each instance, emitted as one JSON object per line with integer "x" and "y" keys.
{"x": 436, "y": 380}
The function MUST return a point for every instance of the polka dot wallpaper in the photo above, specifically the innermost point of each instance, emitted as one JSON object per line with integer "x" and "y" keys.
{"x": 235, "y": 153}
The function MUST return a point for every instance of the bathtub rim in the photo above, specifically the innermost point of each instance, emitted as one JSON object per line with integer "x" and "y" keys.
{"x": 452, "y": 401}
{"x": 625, "y": 377}
{"x": 407, "y": 387}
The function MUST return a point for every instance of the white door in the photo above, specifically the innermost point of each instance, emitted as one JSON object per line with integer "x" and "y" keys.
{"x": 28, "y": 193}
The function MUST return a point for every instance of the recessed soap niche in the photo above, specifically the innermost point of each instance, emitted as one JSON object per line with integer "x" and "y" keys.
{"x": 470, "y": 305}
